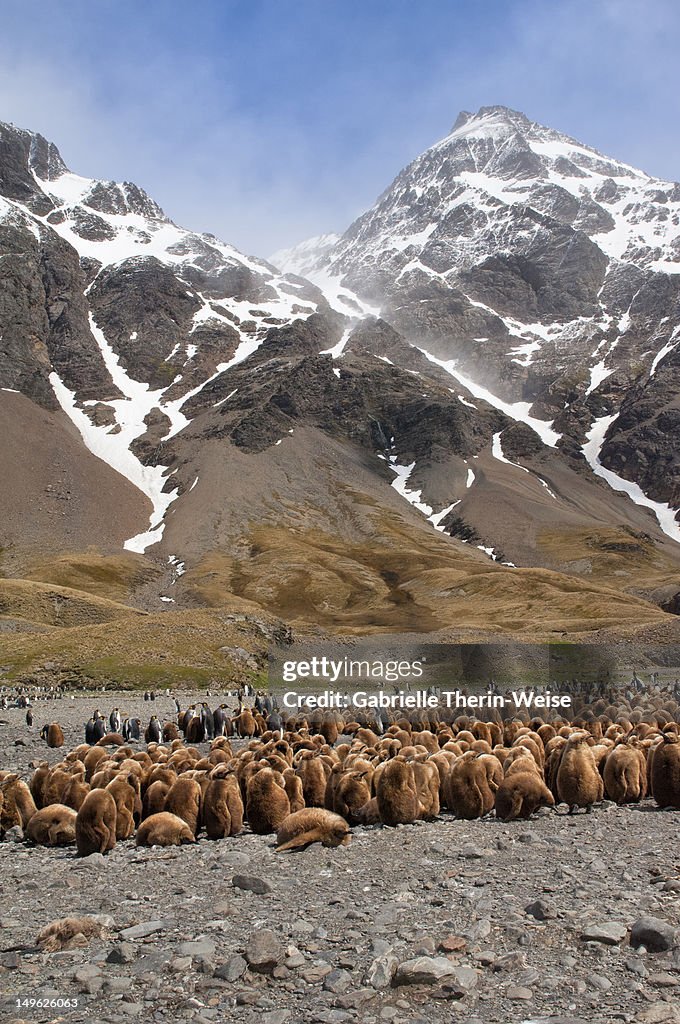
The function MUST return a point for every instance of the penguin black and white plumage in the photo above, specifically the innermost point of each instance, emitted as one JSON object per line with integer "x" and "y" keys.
{"x": 90, "y": 734}
{"x": 99, "y": 728}
{"x": 135, "y": 729}
{"x": 115, "y": 721}
{"x": 185, "y": 717}
{"x": 44, "y": 731}
{"x": 29, "y": 717}
{"x": 154, "y": 731}
{"x": 208, "y": 722}
{"x": 219, "y": 721}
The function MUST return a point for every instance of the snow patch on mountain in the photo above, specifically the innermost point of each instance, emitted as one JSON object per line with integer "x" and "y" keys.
{"x": 519, "y": 411}
{"x": 497, "y": 452}
{"x": 113, "y": 448}
{"x": 591, "y": 450}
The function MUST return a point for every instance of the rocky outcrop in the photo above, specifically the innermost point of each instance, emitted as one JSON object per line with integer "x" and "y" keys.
{"x": 44, "y": 317}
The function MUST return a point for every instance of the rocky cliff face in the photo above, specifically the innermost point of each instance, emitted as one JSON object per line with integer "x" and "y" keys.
{"x": 540, "y": 269}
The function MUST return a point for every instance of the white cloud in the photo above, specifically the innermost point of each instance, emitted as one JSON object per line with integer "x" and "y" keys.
{"x": 265, "y": 171}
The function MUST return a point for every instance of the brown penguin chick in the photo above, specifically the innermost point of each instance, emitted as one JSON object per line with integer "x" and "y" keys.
{"x": 58, "y": 778}
{"x": 55, "y": 735}
{"x": 222, "y": 806}
{"x": 579, "y": 783}
{"x": 184, "y": 801}
{"x": 69, "y": 933}
{"x": 128, "y": 765}
{"x": 525, "y": 762}
{"x": 160, "y": 773}
{"x": 412, "y": 752}
{"x": 164, "y": 829}
{"x": 195, "y": 730}
{"x": 625, "y": 773}
{"x": 332, "y": 783}
{"x": 9, "y": 814}
{"x": 452, "y": 747}
{"x": 245, "y": 723}
{"x": 471, "y": 785}
{"x": 425, "y": 739}
{"x": 75, "y": 791}
{"x": 38, "y": 782}
{"x": 18, "y": 805}
{"x": 483, "y": 731}
{"x": 368, "y": 814}
{"x": 101, "y": 779}
{"x": 170, "y": 732}
{"x": 123, "y": 753}
{"x": 665, "y": 772}
{"x": 125, "y": 791}
{"x": 222, "y": 743}
{"x": 396, "y": 794}
{"x": 352, "y": 792}
{"x": 511, "y": 730}
{"x": 154, "y": 798}
{"x": 245, "y": 771}
{"x": 328, "y": 727}
{"x": 426, "y": 776}
{"x": 267, "y": 802}
{"x": 312, "y": 825}
{"x": 390, "y": 747}
{"x": 279, "y": 764}
{"x": 96, "y": 823}
{"x": 546, "y": 733}
{"x": 533, "y": 744}
{"x": 78, "y": 753}
{"x": 314, "y": 776}
{"x": 112, "y": 739}
{"x": 501, "y": 752}
{"x": 142, "y": 758}
{"x": 293, "y": 784}
{"x": 92, "y": 760}
{"x": 53, "y": 826}
{"x": 520, "y": 794}
{"x": 601, "y": 751}
{"x": 219, "y": 756}
{"x": 367, "y": 737}
{"x": 444, "y": 759}
{"x": 552, "y": 763}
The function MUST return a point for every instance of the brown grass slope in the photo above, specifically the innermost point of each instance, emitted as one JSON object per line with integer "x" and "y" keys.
{"x": 57, "y": 606}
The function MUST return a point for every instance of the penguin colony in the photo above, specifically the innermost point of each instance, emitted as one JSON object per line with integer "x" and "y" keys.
{"x": 298, "y": 782}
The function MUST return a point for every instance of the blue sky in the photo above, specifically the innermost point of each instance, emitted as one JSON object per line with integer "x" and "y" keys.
{"x": 271, "y": 120}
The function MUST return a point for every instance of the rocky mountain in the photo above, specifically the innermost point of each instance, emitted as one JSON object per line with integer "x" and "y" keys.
{"x": 460, "y": 415}
{"x": 535, "y": 266}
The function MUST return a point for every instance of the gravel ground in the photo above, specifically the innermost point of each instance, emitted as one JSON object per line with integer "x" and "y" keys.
{"x": 441, "y": 921}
